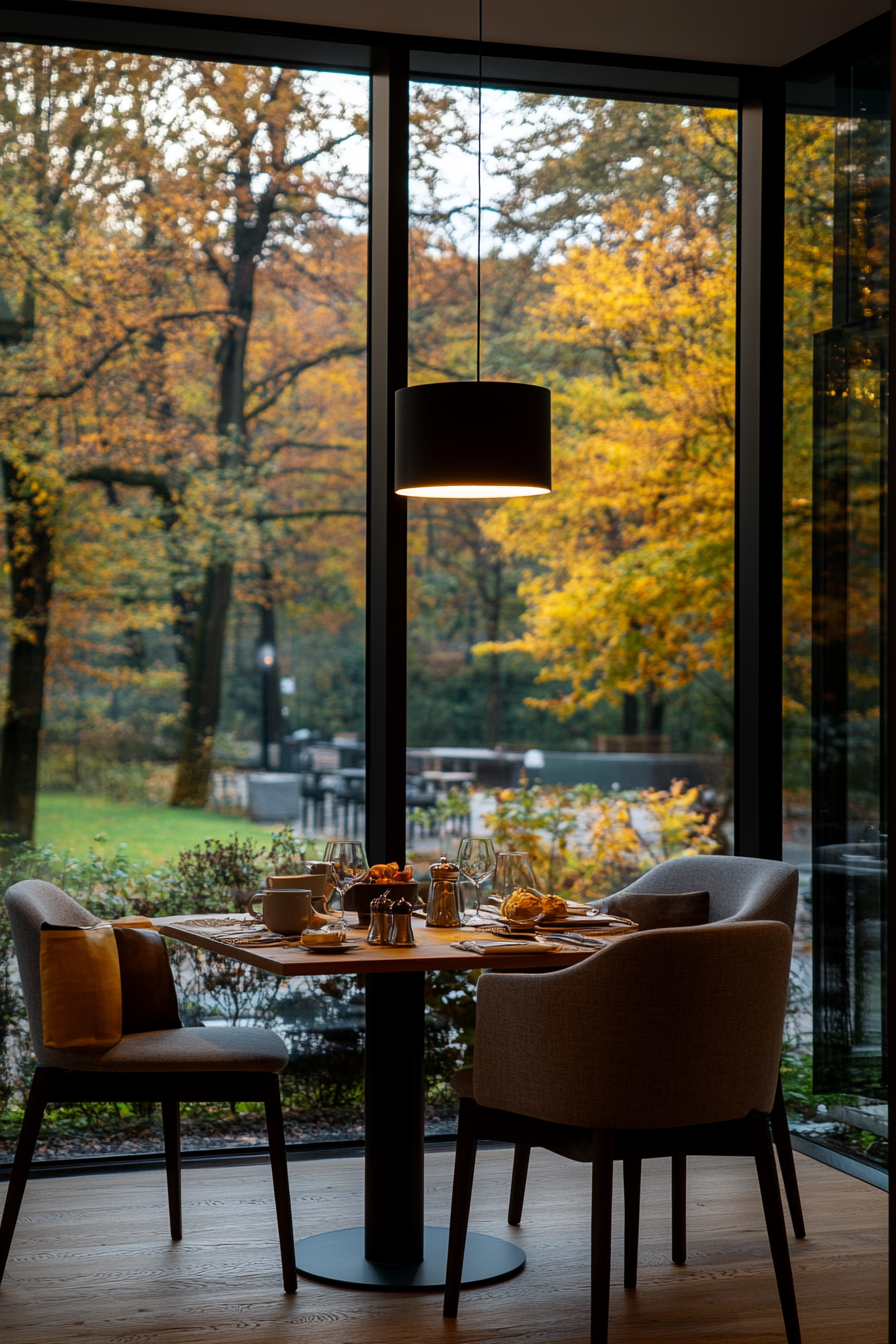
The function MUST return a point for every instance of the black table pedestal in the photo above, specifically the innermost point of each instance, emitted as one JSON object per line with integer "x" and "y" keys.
{"x": 338, "y": 1258}
{"x": 393, "y": 1251}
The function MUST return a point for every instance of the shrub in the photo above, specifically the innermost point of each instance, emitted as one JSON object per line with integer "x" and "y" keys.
{"x": 589, "y": 844}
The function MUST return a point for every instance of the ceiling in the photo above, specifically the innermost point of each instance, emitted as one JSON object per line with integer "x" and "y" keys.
{"x": 760, "y": 32}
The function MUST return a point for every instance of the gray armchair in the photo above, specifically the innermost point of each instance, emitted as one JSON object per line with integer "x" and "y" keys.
{"x": 740, "y": 890}
{"x": 690, "y": 1024}
{"x": 171, "y": 1066}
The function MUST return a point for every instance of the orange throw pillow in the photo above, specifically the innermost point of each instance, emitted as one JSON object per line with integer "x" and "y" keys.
{"x": 80, "y": 987}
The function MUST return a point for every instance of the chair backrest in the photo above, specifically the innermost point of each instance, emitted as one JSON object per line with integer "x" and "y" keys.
{"x": 29, "y": 904}
{"x": 739, "y": 888}
{"x": 661, "y": 1029}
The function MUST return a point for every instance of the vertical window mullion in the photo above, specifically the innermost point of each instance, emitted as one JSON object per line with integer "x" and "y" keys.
{"x": 759, "y": 470}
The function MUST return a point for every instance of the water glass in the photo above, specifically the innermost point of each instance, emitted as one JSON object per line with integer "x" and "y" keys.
{"x": 348, "y": 860}
{"x": 317, "y": 868}
{"x": 513, "y": 871}
{"x": 476, "y": 859}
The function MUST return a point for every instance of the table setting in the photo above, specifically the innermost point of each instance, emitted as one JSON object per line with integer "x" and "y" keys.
{"x": 343, "y": 915}
{"x": 341, "y": 904}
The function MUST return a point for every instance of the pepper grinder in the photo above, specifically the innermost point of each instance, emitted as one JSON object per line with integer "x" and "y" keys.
{"x": 380, "y": 921}
{"x": 443, "y": 909}
{"x": 402, "y": 934}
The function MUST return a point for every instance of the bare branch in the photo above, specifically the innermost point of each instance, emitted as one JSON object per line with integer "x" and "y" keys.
{"x": 284, "y": 377}
{"x": 62, "y": 394}
{"x": 312, "y": 513}
{"x": 119, "y": 476}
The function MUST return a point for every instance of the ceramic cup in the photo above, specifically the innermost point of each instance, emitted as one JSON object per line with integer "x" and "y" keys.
{"x": 316, "y": 883}
{"x": 284, "y": 910}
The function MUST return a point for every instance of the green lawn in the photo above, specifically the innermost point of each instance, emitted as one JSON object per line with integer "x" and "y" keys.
{"x": 156, "y": 833}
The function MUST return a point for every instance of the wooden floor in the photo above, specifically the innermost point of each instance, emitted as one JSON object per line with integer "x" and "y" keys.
{"x": 91, "y": 1261}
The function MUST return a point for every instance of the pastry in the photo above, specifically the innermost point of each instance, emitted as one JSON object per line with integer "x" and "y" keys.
{"x": 524, "y": 904}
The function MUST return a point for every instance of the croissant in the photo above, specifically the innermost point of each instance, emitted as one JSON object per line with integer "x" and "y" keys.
{"x": 522, "y": 904}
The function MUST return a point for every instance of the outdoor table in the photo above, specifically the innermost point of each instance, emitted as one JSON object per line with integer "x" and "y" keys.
{"x": 393, "y": 1250}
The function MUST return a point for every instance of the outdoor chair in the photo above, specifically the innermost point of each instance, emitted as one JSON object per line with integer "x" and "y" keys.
{"x": 189, "y": 1064}
{"x": 689, "y": 1022}
{"x": 740, "y": 890}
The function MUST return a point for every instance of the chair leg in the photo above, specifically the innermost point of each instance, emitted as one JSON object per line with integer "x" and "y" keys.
{"x": 171, "y": 1134}
{"x": 461, "y": 1194}
{"x": 518, "y": 1183}
{"x": 679, "y": 1209}
{"x": 781, "y": 1133}
{"x": 15, "y": 1191}
{"x": 273, "y": 1114}
{"x": 767, "y": 1173}
{"x": 631, "y": 1183}
{"x": 601, "y": 1232}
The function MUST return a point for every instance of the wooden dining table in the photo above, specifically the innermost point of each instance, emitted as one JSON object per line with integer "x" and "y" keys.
{"x": 393, "y": 1250}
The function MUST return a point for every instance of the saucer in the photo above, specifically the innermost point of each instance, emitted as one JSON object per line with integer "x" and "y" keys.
{"x": 328, "y": 949}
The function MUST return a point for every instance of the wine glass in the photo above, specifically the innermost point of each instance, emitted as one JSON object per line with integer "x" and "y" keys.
{"x": 348, "y": 861}
{"x": 513, "y": 871}
{"x": 316, "y": 867}
{"x": 476, "y": 859}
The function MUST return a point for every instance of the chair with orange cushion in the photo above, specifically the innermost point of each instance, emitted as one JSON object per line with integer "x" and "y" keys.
{"x": 172, "y": 1065}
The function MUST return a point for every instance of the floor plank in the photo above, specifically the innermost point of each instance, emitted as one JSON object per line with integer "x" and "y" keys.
{"x": 91, "y": 1261}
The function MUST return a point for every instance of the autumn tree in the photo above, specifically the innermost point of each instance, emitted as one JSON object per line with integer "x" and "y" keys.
{"x": 88, "y": 300}
{"x": 611, "y": 278}
{"x": 194, "y": 443}
{"x": 252, "y": 153}
{"x": 631, "y": 577}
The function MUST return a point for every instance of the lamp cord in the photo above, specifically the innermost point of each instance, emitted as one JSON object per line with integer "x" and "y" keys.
{"x": 479, "y": 215}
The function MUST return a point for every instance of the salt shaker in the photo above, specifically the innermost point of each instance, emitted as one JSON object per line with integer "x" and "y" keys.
{"x": 380, "y": 921}
{"x": 402, "y": 934}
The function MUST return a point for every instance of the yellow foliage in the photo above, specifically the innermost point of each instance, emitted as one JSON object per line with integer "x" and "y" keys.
{"x": 631, "y": 580}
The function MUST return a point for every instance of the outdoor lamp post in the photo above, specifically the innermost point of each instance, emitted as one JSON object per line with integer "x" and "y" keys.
{"x": 266, "y": 660}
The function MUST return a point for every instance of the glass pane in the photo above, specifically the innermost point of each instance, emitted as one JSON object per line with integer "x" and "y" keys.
{"x": 183, "y": 273}
{"x": 835, "y": 522}
{"x": 570, "y": 657}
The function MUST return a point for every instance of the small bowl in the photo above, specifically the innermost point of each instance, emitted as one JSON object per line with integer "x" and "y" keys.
{"x": 523, "y": 925}
{"x": 323, "y": 937}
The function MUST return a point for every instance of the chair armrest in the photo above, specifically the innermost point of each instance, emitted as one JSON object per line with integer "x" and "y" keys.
{"x": 529, "y": 1034}
{"x": 661, "y": 1029}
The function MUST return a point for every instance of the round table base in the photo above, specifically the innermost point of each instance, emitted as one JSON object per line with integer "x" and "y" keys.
{"x": 338, "y": 1258}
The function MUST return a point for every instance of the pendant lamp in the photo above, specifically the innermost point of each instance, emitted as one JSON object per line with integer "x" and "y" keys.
{"x": 477, "y": 440}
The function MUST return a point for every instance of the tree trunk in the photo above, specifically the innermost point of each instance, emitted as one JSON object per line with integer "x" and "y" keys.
{"x": 653, "y": 710}
{"x": 30, "y": 542}
{"x": 202, "y": 632}
{"x": 203, "y": 699}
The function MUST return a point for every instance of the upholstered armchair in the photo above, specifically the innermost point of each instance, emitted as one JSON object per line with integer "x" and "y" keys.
{"x": 663, "y": 1044}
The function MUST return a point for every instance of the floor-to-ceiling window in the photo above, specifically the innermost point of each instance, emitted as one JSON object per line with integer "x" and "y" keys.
{"x": 835, "y": 517}
{"x": 183, "y": 300}
{"x": 580, "y": 643}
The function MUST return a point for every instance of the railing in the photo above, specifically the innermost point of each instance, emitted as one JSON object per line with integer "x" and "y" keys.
{"x": 346, "y": 818}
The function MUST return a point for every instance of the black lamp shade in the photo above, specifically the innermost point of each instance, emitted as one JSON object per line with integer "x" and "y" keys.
{"x": 472, "y": 440}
